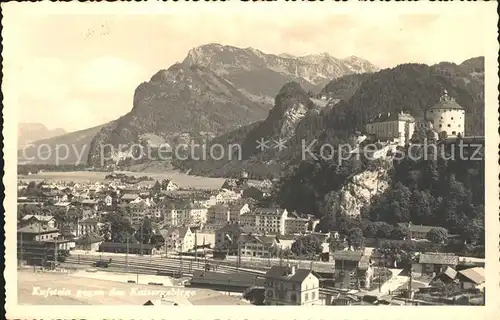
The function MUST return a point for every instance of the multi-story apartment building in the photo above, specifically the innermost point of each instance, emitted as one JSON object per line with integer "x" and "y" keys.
{"x": 291, "y": 286}
{"x": 266, "y": 220}
{"x": 258, "y": 246}
{"x": 296, "y": 225}
{"x": 227, "y": 237}
{"x": 218, "y": 214}
{"x": 178, "y": 239}
{"x": 237, "y": 209}
{"x": 185, "y": 212}
{"x": 227, "y": 196}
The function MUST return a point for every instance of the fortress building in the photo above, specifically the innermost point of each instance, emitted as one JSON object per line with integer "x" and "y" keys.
{"x": 447, "y": 115}
{"x": 397, "y": 127}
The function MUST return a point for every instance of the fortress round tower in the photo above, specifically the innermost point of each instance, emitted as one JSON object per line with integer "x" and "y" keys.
{"x": 447, "y": 115}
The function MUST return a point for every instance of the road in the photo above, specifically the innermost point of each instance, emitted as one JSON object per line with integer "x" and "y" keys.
{"x": 392, "y": 284}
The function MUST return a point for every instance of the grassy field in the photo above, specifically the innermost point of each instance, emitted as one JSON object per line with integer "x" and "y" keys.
{"x": 181, "y": 179}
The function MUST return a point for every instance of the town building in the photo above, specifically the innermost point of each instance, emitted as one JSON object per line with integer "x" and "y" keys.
{"x": 37, "y": 232}
{"x": 227, "y": 237}
{"x": 418, "y": 232}
{"x": 353, "y": 269}
{"x": 237, "y": 209}
{"x": 89, "y": 242}
{"x": 447, "y": 115}
{"x": 472, "y": 278}
{"x": 227, "y": 196}
{"x": 30, "y": 219}
{"x": 258, "y": 246}
{"x": 265, "y": 220}
{"x": 169, "y": 185}
{"x": 178, "y": 239}
{"x": 88, "y": 225}
{"x": 291, "y": 286}
{"x": 218, "y": 214}
{"x": 434, "y": 263}
{"x": 295, "y": 225}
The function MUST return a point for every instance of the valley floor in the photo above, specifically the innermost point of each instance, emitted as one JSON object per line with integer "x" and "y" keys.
{"x": 183, "y": 180}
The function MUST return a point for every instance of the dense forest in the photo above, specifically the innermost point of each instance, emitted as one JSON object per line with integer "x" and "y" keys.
{"x": 344, "y": 87}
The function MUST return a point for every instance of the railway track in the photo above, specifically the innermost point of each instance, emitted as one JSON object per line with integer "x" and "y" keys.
{"x": 152, "y": 266}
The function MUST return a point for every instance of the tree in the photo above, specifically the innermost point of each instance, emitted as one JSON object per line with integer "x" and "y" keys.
{"x": 156, "y": 187}
{"x": 120, "y": 228}
{"x": 443, "y": 135}
{"x": 325, "y": 224}
{"x": 355, "y": 238}
{"x": 384, "y": 230}
{"x": 437, "y": 235}
{"x": 146, "y": 231}
{"x": 400, "y": 233}
{"x": 307, "y": 245}
{"x": 330, "y": 203}
{"x": 370, "y": 231}
{"x": 337, "y": 244}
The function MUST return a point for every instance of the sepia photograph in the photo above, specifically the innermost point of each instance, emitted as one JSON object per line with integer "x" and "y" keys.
{"x": 244, "y": 157}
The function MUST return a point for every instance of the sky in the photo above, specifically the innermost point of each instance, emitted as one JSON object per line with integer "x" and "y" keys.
{"x": 75, "y": 71}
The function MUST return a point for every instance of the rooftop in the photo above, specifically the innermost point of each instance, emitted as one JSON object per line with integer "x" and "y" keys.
{"x": 476, "y": 275}
{"x": 419, "y": 228}
{"x": 348, "y": 255}
{"x": 37, "y": 217}
{"x": 286, "y": 274}
{"x": 438, "y": 258}
{"x": 37, "y": 229}
{"x": 446, "y": 102}
{"x": 393, "y": 116}
{"x": 268, "y": 211}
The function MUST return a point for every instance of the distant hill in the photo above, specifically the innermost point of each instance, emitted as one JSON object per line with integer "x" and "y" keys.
{"x": 29, "y": 132}
{"x": 344, "y": 87}
{"x": 44, "y": 151}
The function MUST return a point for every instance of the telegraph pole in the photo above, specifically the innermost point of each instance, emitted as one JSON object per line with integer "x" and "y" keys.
{"x": 126, "y": 254}
{"x": 239, "y": 255}
{"x": 21, "y": 252}
{"x": 55, "y": 253}
{"x": 196, "y": 244}
{"x": 142, "y": 236}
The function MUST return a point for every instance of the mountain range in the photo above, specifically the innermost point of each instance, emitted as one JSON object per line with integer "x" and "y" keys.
{"x": 44, "y": 151}
{"x": 228, "y": 95}
{"x": 30, "y": 132}
{"x": 262, "y": 75}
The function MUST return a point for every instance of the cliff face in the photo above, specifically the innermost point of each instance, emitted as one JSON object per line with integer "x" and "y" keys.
{"x": 361, "y": 189}
{"x": 178, "y": 104}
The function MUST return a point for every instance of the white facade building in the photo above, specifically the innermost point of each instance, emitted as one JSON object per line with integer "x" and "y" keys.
{"x": 398, "y": 127}
{"x": 447, "y": 116}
